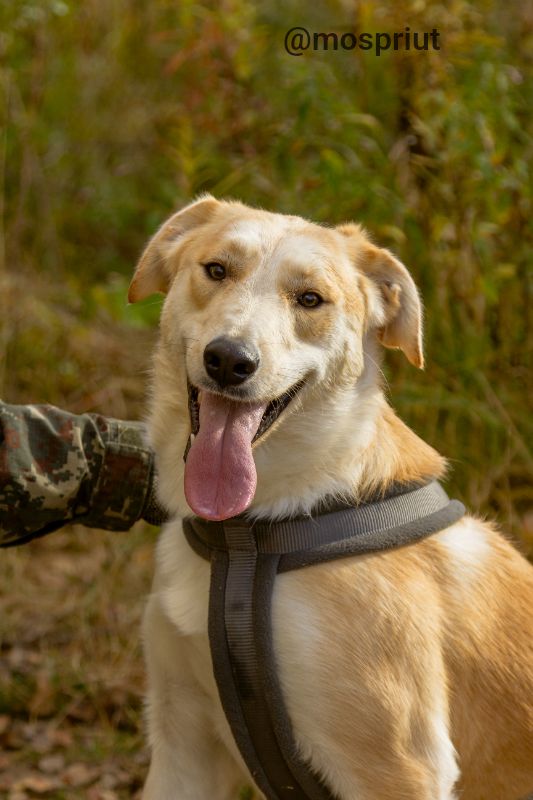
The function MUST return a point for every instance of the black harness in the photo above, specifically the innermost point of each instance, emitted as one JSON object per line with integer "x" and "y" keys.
{"x": 245, "y": 558}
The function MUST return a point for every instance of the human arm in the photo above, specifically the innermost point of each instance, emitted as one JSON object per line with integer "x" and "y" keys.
{"x": 58, "y": 468}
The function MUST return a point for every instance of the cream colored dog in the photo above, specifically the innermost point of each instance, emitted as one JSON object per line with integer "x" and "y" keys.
{"x": 408, "y": 675}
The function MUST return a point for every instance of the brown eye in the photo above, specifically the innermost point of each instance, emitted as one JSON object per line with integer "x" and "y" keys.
{"x": 310, "y": 300}
{"x": 215, "y": 271}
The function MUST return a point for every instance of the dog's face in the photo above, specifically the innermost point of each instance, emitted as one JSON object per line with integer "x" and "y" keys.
{"x": 263, "y": 307}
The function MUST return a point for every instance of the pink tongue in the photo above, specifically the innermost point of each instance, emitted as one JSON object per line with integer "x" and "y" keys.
{"x": 220, "y": 476}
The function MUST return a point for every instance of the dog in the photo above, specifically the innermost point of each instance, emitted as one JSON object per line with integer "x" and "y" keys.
{"x": 408, "y": 674}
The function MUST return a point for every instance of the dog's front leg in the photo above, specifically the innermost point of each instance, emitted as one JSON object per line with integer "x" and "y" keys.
{"x": 188, "y": 761}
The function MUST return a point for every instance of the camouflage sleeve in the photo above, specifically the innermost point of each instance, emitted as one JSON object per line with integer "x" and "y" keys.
{"x": 57, "y": 467}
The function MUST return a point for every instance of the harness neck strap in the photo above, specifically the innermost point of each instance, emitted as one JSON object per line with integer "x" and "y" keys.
{"x": 245, "y": 558}
{"x": 400, "y": 518}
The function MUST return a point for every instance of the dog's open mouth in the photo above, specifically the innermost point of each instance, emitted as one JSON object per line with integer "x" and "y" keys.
{"x": 220, "y": 476}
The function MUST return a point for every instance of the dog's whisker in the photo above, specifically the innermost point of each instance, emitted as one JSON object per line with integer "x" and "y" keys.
{"x": 380, "y": 370}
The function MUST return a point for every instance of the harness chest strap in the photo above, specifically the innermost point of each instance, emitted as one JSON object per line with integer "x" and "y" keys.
{"x": 245, "y": 558}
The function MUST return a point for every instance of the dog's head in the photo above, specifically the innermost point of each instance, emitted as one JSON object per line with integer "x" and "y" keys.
{"x": 263, "y": 308}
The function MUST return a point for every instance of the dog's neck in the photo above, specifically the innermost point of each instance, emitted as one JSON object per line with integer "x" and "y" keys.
{"x": 344, "y": 442}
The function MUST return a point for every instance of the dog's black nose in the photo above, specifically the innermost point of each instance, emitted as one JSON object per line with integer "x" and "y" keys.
{"x": 230, "y": 361}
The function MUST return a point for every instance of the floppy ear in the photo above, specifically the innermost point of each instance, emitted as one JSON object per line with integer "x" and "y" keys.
{"x": 152, "y": 273}
{"x": 400, "y": 325}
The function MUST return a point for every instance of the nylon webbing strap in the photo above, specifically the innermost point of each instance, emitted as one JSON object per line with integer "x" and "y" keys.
{"x": 395, "y": 521}
{"x": 241, "y": 649}
{"x": 245, "y": 558}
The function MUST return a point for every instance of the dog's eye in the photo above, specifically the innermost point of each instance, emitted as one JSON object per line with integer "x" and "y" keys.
{"x": 310, "y": 299}
{"x": 215, "y": 271}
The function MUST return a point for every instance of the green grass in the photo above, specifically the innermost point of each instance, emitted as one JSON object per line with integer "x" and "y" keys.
{"x": 115, "y": 116}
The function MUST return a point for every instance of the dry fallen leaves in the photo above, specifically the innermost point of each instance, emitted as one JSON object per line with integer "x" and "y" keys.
{"x": 52, "y": 764}
{"x": 79, "y": 774}
{"x": 39, "y": 760}
{"x": 70, "y": 672}
{"x": 38, "y": 784}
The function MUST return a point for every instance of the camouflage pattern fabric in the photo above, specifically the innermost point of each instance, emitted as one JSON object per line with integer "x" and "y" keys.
{"x": 57, "y": 467}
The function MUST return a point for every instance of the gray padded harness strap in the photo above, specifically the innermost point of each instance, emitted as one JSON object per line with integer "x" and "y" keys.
{"x": 245, "y": 558}
{"x": 394, "y": 521}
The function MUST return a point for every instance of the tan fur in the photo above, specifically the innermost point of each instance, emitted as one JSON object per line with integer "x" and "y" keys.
{"x": 408, "y": 675}
{"x": 403, "y": 311}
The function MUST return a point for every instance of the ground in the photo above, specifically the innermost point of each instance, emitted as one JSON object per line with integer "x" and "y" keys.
{"x": 71, "y": 673}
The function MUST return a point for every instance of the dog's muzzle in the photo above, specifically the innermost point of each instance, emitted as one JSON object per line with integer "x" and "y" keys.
{"x": 271, "y": 414}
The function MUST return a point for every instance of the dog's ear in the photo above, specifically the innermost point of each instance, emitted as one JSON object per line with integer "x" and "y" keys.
{"x": 399, "y": 320}
{"x": 152, "y": 273}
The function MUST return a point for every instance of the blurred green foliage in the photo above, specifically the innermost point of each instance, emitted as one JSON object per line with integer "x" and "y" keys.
{"x": 115, "y": 112}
